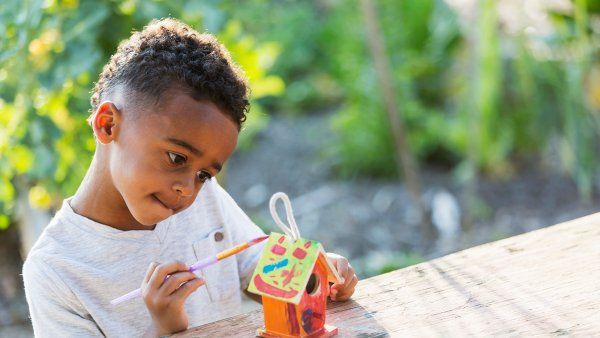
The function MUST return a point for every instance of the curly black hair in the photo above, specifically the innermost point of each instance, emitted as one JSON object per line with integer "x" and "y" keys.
{"x": 169, "y": 54}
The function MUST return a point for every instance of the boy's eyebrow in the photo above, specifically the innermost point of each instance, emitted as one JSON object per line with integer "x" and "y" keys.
{"x": 193, "y": 149}
{"x": 186, "y": 145}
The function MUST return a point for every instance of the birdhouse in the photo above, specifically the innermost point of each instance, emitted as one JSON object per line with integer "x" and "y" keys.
{"x": 293, "y": 279}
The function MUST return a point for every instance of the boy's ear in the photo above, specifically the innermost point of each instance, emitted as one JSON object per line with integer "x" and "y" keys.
{"x": 105, "y": 122}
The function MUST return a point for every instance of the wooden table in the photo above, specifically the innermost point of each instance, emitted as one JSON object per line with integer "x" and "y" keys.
{"x": 546, "y": 282}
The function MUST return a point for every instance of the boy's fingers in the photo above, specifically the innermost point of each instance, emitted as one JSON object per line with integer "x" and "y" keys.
{"x": 161, "y": 272}
{"x": 333, "y": 292}
{"x": 346, "y": 291}
{"x": 149, "y": 271}
{"x": 342, "y": 267}
{"x": 174, "y": 281}
{"x": 336, "y": 290}
{"x": 353, "y": 283}
{"x": 349, "y": 274}
{"x": 185, "y": 290}
{"x": 343, "y": 291}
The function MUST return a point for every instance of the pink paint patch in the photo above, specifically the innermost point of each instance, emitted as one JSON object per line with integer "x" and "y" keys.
{"x": 299, "y": 253}
{"x": 278, "y": 250}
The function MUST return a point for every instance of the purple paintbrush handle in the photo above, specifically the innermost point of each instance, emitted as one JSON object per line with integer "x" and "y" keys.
{"x": 133, "y": 294}
{"x": 203, "y": 263}
{"x": 138, "y": 292}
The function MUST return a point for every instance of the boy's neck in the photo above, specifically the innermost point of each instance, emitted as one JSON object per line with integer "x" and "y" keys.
{"x": 98, "y": 199}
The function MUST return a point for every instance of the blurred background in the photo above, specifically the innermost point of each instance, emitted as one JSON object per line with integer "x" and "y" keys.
{"x": 401, "y": 130}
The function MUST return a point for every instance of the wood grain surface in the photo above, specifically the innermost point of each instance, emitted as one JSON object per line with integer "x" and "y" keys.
{"x": 546, "y": 282}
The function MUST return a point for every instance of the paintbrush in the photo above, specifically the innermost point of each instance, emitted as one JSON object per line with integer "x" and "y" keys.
{"x": 198, "y": 265}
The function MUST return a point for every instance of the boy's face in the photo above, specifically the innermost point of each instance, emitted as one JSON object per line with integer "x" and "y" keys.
{"x": 160, "y": 158}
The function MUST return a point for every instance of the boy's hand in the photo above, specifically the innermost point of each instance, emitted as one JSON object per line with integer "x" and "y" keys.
{"x": 342, "y": 291}
{"x": 165, "y": 298}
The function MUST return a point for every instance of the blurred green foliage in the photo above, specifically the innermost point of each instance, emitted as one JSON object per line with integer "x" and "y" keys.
{"x": 475, "y": 97}
{"x": 459, "y": 88}
{"x": 51, "y": 54}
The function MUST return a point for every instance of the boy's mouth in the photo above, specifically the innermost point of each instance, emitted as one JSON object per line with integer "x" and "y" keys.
{"x": 164, "y": 205}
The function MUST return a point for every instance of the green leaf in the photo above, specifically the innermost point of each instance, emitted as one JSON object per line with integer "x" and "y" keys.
{"x": 7, "y": 191}
{"x": 20, "y": 158}
{"x": 4, "y": 222}
{"x": 39, "y": 197}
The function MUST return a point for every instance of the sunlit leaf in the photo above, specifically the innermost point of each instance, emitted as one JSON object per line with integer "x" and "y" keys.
{"x": 270, "y": 85}
{"x": 20, "y": 158}
{"x": 127, "y": 7}
{"x": 39, "y": 197}
{"x": 7, "y": 191}
{"x": 4, "y": 222}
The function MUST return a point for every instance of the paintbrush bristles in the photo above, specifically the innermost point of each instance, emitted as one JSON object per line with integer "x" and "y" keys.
{"x": 258, "y": 240}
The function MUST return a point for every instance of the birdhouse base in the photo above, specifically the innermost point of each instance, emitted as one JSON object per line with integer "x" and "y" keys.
{"x": 326, "y": 331}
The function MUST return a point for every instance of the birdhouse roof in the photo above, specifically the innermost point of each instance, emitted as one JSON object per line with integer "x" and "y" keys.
{"x": 284, "y": 268}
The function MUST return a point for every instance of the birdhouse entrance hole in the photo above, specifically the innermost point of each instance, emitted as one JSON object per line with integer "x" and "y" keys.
{"x": 313, "y": 284}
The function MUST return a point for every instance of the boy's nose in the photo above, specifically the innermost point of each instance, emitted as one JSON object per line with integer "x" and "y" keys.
{"x": 183, "y": 190}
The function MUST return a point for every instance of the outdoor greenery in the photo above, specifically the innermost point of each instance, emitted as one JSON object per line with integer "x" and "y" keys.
{"x": 476, "y": 97}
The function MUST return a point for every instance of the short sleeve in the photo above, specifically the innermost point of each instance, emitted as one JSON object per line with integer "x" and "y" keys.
{"x": 243, "y": 230}
{"x": 52, "y": 307}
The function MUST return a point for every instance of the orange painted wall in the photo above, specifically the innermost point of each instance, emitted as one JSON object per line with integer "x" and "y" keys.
{"x": 303, "y": 319}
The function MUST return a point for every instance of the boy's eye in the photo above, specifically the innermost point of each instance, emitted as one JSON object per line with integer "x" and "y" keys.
{"x": 176, "y": 158}
{"x": 203, "y": 176}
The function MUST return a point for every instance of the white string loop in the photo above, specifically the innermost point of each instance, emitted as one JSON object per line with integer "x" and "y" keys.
{"x": 291, "y": 230}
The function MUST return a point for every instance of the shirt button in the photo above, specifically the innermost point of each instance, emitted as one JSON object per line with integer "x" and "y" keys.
{"x": 218, "y": 236}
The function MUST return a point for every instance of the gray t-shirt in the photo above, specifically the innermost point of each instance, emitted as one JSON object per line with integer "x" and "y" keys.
{"x": 78, "y": 266}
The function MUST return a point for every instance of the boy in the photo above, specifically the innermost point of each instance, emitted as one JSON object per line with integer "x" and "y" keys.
{"x": 167, "y": 110}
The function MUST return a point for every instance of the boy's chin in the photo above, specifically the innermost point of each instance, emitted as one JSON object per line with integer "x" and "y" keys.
{"x": 151, "y": 212}
{"x": 149, "y": 218}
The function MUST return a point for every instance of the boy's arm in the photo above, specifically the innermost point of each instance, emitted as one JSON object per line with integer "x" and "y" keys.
{"x": 52, "y": 308}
